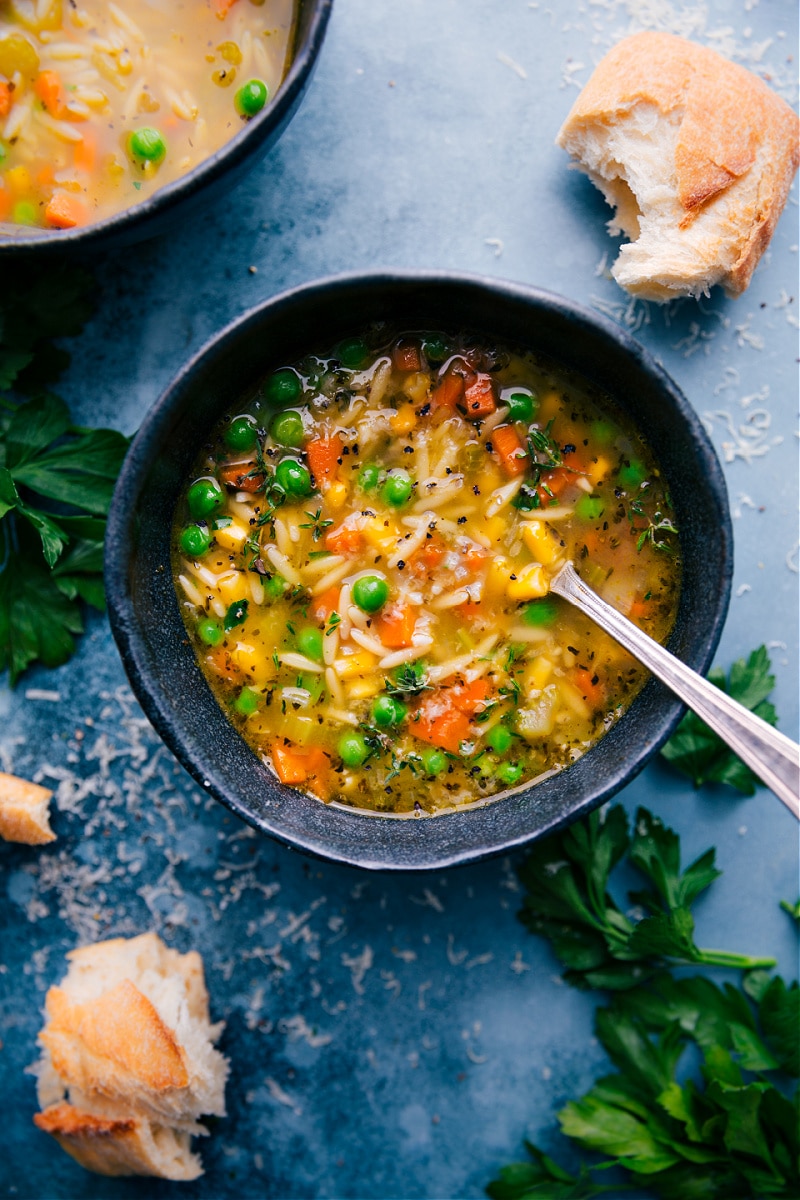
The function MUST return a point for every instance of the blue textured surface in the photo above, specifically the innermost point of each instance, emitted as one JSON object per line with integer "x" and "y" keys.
{"x": 392, "y": 1037}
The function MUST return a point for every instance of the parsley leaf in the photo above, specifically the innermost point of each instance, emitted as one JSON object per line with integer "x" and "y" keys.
{"x": 722, "y": 1130}
{"x": 56, "y": 479}
{"x": 698, "y": 752}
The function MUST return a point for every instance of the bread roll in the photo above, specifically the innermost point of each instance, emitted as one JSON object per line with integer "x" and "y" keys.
{"x": 24, "y": 813}
{"x": 129, "y": 1044}
{"x": 696, "y": 155}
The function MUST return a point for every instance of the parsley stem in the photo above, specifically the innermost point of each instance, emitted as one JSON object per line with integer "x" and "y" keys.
{"x": 728, "y": 958}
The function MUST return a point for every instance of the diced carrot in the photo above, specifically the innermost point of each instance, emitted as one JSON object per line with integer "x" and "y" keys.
{"x": 296, "y": 765}
{"x": 239, "y": 477}
{"x": 344, "y": 540}
{"x": 322, "y": 606}
{"x": 429, "y": 555}
{"x": 470, "y": 697}
{"x": 5, "y": 204}
{"x": 552, "y": 484}
{"x": 396, "y": 626}
{"x": 223, "y": 7}
{"x": 85, "y": 154}
{"x": 474, "y": 559}
{"x": 50, "y": 91}
{"x": 45, "y": 176}
{"x": 65, "y": 211}
{"x": 479, "y": 397}
{"x": 590, "y": 687}
{"x": 290, "y": 766}
{"x": 445, "y": 727}
{"x": 450, "y": 390}
{"x": 221, "y": 663}
{"x": 640, "y": 609}
{"x": 406, "y": 356}
{"x": 6, "y": 92}
{"x": 509, "y": 450}
{"x": 323, "y": 458}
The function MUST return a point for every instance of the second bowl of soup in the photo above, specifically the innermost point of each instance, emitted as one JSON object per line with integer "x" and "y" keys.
{"x": 332, "y": 596}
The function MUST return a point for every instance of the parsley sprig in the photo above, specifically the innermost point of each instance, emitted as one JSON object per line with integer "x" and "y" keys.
{"x": 56, "y": 479}
{"x": 698, "y": 752}
{"x": 728, "y": 1131}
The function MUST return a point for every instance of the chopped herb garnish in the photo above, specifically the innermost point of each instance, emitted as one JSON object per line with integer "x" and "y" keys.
{"x": 316, "y": 524}
{"x": 236, "y": 615}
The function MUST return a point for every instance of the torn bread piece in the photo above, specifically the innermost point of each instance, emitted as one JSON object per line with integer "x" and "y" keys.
{"x": 696, "y": 155}
{"x": 129, "y": 1064}
{"x": 24, "y": 815}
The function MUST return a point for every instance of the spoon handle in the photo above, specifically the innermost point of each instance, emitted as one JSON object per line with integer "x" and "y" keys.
{"x": 770, "y": 754}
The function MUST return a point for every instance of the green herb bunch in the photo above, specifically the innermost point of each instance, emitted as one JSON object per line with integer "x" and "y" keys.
{"x": 732, "y": 1132}
{"x": 56, "y": 478}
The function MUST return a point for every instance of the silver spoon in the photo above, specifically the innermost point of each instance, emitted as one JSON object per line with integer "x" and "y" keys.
{"x": 771, "y": 755}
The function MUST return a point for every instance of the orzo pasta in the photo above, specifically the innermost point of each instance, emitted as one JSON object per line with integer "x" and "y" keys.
{"x": 363, "y": 554}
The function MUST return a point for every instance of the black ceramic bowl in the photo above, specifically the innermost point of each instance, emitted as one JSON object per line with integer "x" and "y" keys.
{"x": 150, "y": 633}
{"x": 216, "y": 175}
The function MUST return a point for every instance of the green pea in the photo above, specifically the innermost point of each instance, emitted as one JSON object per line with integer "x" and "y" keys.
{"x": 352, "y": 353}
{"x": 509, "y": 773}
{"x": 287, "y": 429}
{"x": 386, "y": 711}
{"x": 590, "y": 508}
{"x": 283, "y": 387}
{"x": 147, "y": 144}
{"x": 241, "y": 434}
{"x": 539, "y": 612}
{"x": 370, "y": 593}
{"x": 369, "y": 476}
{"x": 209, "y": 631}
{"x": 309, "y": 642}
{"x": 246, "y": 703}
{"x": 194, "y": 541}
{"x": 293, "y": 477}
{"x": 603, "y": 432}
{"x": 274, "y": 587}
{"x": 251, "y": 98}
{"x": 500, "y": 739}
{"x": 397, "y": 488}
{"x": 434, "y": 761}
{"x": 25, "y": 213}
{"x": 205, "y": 498}
{"x": 522, "y": 406}
{"x": 632, "y": 473}
{"x": 353, "y": 749}
{"x": 435, "y": 349}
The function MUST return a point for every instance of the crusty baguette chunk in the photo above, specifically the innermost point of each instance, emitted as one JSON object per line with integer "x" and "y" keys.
{"x": 696, "y": 155}
{"x": 24, "y": 813}
{"x": 129, "y": 1064}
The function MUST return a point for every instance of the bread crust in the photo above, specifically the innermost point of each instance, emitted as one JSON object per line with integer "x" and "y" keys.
{"x": 724, "y": 113}
{"x": 24, "y": 811}
{"x": 115, "y": 1146}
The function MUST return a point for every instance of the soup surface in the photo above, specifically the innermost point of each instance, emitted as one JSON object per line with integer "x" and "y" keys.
{"x": 102, "y": 103}
{"x": 363, "y": 559}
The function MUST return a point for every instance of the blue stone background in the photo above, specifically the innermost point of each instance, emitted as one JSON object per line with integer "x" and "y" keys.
{"x": 394, "y": 1037}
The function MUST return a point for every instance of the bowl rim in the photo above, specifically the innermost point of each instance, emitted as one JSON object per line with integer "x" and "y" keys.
{"x": 120, "y": 542}
{"x": 229, "y": 155}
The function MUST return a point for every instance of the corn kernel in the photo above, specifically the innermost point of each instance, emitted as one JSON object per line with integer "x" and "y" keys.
{"x": 541, "y": 545}
{"x": 404, "y": 419}
{"x": 416, "y": 386}
{"x": 600, "y": 470}
{"x": 537, "y": 673}
{"x": 495, "y": 528}
{"x": 497, "y": 578}
{"x": 18, "y": 181}
{"x": 245, "y": 657}
{"x": 531, "y": 582}
{"x": 381, "y": 533}
{"x": 233, "y": 586}
{"x": 336, "y": 494}
{"x": 359, "y": 663}
{"x": 364, "y": 688}
{"x": 232, "y": 537}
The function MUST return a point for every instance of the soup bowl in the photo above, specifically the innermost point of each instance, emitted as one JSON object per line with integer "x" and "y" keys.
{"x": 146, "y": 618}
{"x": 210, "y": 179}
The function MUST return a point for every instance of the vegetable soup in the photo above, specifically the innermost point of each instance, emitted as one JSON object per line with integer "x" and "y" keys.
{"x": 363, "y": 556}
{"x": 102, "y": 103}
